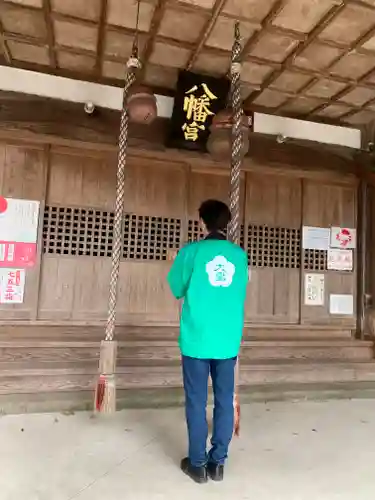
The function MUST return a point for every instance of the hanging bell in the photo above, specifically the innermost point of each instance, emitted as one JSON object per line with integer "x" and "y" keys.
{"x": 141, "y": 104}
{"x": 219, "y": 143}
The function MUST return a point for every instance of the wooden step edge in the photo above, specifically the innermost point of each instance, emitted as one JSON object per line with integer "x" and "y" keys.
{"x": 91, "y": 368}
{"x": 65, "y": 403}
{"x": 270, "y": 343}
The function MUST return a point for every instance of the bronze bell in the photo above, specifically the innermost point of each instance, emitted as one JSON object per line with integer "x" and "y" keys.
{"x": 141, "y": 105}
{"x": 219, "y": 142}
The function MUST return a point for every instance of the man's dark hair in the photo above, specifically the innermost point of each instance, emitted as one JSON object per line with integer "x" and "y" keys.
{"x": 215, "y": 215}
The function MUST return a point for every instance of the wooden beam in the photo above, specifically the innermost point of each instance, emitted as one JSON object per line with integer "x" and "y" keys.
{"x": 101, "y": 37}
{"x": 265, "y": 25}
{"x": 311, "y": 37}
{"x": 50, "y": 33}
{"x": 206, "y": 31}
{"x": 4, "y": 45}
{"x": 154, "y": 28}
{"x": 60, "y": 119}
{"x": 60, "y": 123}
{"x": 352, "y": 48}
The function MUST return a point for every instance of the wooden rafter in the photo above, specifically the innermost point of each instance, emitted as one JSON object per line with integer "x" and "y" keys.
{"x": 154, "y": 28}
{"x": 331, "y": 14}
{"x": 50, "y": 34}
{"x": 352, "y": 48}
{"x": 265, "y": 25}
{"x": 4, "y": 45}
{"x": 206, "y": 31}
{"x": 101, "y": 35}
{"x": 94, "y": 47}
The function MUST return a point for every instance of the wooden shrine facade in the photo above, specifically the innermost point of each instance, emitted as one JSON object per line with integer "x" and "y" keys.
{"x": 52, "y": 152}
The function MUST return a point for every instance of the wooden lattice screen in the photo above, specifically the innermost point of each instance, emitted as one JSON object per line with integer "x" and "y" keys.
{"x": 77, "y": 231}
{"x": 149, "y": 238}
{"x": 195, "y": 232}
{"x": 315, "y": 260}
{"x": 89, "y": 232}
{"x": 274, "y": 246}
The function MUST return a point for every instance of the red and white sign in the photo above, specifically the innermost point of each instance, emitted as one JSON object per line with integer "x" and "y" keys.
{"x": 343, "y": 237}
{"x": 17, "y": 254}
{"x": 339, "y": 259}
{"x": 18, "y": 232}
{"x": 12, "y": 286}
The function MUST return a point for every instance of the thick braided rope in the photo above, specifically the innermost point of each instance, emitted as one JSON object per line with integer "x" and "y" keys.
{"x": 237, "y": 148}
{"x": 236, "y": 158}
{"x": 133, "y": 64}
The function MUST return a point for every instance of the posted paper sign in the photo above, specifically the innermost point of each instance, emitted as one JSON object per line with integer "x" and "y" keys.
{"x": 340, "y": 260}
{"x": 315, "y": 238}
{"x": 341, "y": 304}
{"x": 314, "y": 289}
{"x": 18, "y": 232}
{"x": 12, "y": 286}
{"x": 343, "y": 237}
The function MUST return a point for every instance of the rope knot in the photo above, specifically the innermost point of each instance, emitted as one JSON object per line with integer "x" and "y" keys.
{"x": 235, "y": 68}
{"x": 134, "y": 63}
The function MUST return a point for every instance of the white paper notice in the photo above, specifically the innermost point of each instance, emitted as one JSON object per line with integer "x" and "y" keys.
{"x": 19, "y": 221}
{"x": 12, "y": 286}
{"x": 341, "y": 304}
{"x": 343, "y": 237}
{"x": 340, "y": 260}
{"x": 314, "y": 289}
{"x": 315, "y": 238}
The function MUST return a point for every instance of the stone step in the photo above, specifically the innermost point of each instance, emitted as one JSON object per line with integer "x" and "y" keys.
{"x": 70, "y": 377}
{"x": 70, "y": 401}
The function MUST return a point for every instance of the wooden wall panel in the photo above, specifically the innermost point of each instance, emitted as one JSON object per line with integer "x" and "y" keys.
{"x": 204, "y": 185}
{"x": 326, "y": 205}
{"x": 23, "y": 175}
{"x": 157, "y": 190}
{"x": 83, "y": 181}
{"x": 154, "y": 190}
{"x": 57, "y": 284}
{"x": 273, "y": 293}
{"x": 273, "y": 201}
{"x": 76, "y": 287}
{"x": 144, "y": 294}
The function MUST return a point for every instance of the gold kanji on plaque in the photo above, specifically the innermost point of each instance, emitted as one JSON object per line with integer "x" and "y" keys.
{"x": 197, "y": 110}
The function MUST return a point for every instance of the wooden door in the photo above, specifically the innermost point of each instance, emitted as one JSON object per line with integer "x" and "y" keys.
{"x": 155, "y": 202}
{"x": 326, "y": 205}
{"x": 272, "y": 238}
{"x": 78, "y": 238}
{"x": 77, "y": 235}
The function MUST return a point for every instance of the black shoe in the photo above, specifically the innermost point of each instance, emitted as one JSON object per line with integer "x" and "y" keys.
{"x": 215, "y": 471}
{"x": 197, "y": 474}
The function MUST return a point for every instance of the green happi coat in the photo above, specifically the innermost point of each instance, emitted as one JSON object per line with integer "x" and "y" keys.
{"x": 211, "y": 277}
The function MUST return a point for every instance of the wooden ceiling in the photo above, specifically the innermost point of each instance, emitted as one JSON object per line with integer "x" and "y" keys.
{"x": 309, "y": 58}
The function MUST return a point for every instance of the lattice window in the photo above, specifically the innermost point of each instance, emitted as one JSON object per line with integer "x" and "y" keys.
{"x": 195, "y": 232}
{"x": 149, "y": 238}
{"x": 89, "y": 232}
{"x": 77, "y": 231}
{"x": 274, "y": 247}
{"x": 315, "y": 260}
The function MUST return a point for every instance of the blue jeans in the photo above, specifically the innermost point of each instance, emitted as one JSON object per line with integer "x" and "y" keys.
{"x": 195, "y": 376}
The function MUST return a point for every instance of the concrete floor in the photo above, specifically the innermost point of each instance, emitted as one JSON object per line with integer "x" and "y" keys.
{"x": 287, "y": 451}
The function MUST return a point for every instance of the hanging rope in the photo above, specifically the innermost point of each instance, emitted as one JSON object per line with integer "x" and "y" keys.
{"x": 235, "y": 173}
{"x": 237, "y": 148}
{"x": 132, "y": 65}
